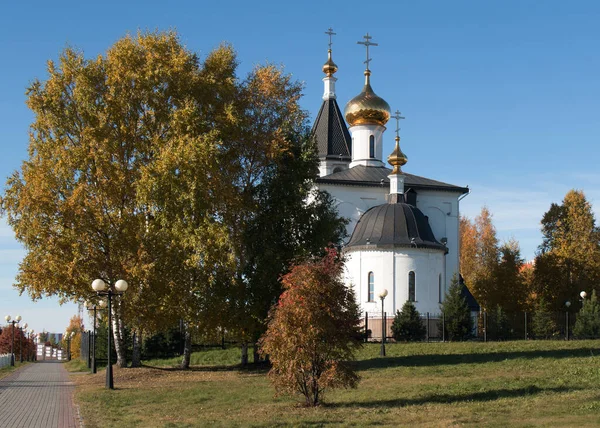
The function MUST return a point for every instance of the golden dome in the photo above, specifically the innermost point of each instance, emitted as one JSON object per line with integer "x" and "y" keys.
{"x": 397, "y": 158}
{"x": 367, "y": 108}
{"x": 329, "y": 67}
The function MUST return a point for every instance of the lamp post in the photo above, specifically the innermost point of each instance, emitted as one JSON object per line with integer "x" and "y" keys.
{"x": 23, "y": 327}
{"x": 567, "y": 304}
{"x": 17, "y": 320}
{"x": 30, "y": 337}
{"x": 99, "y": 286}
{"x": 69, "y": 336}
{"x": 382, "y": 297}
{"x": 94, "y": 306}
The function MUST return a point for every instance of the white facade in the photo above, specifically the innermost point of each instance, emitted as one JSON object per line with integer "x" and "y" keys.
{"x": 440, "y": 207}
{"x": 391, "y": 270}
{"x": 361, "y": 145}
{"x": 329, "y": 166}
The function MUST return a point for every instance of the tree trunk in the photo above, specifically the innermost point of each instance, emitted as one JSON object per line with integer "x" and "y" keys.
{"x": 244, "y": 354}
{"x": 255, "y": 353}
{"x": 187, "y": 348}
{"x": 118, "y": 330}
{"x": 136, "y": 358}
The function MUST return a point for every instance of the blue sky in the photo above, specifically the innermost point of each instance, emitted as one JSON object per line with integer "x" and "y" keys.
{"x": 502, "y": 96}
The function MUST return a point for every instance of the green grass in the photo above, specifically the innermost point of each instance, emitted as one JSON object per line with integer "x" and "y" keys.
{"x": 76, "y": 365}
{"x": 5, "y": 371}
{"x": 211, "y": 357}
{"x": 534, "y": 383}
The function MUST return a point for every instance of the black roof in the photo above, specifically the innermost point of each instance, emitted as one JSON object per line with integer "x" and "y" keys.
{"x": 331, "y": 132}
{"x": 361, "y": 175}
{"x": 466, "y": 294}
{"x": 393, "y": 225}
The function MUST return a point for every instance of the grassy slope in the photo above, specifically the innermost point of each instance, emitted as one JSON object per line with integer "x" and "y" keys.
{"x": 437, "y": 384}
{"x": 5, "y": 371}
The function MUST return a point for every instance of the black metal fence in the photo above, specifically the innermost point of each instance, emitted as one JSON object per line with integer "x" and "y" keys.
{"x": 492, "y": 326}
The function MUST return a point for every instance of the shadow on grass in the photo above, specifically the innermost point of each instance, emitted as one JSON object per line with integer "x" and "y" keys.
{"x": 450, "y": 359}
{"x": 250, "y": 368}
{"x": 454, "y": 398}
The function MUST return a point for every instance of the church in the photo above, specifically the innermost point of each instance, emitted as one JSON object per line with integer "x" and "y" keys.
{"x": 403, "y": 228}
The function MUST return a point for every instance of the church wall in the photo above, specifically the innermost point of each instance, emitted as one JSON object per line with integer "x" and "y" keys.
{"x": 440, "y": 207}
{"x": 328, "y": 166}
{"x": 391, "y": 269}
{"x": 353, "y": 201}
{"x": 442, "y": 210}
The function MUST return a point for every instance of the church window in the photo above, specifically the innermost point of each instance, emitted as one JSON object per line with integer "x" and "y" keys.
{"x": 371, "y": 146}
{"x": 371, "y": 287}
{"x": 411, "y": 286}
{"x": 440, "y": 294}
{"x": 336, "y": 169}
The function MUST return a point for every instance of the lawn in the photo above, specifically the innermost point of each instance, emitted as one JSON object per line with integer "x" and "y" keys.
{"x": 533, "y": 383}
{"x": 5, "y": 371}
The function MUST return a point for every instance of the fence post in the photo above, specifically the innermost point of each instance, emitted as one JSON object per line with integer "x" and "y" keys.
{"x": 567, "y": 326}
{"x": 443, "y": 327}
{"x": 525, "y": 325}
{"x": 366, "y": 327}
{"x": 427, "y": 329}
{"x": 485, "y": 326}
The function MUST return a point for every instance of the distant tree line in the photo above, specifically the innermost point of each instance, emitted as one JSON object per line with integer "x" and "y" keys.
{"x": 567, "y": 262}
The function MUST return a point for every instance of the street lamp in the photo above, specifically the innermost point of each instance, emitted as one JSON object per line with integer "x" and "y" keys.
{"x": 69, "y": 336}
{"x": 94, "y": 306}
{"x": 567, "y": 304}
{"x": 30, "y": 337}
{"x": 17, "y": 320}
{"x": 23, "y": 327}
{"x": 99, "y": 286}
{"x": 382, "y": 297}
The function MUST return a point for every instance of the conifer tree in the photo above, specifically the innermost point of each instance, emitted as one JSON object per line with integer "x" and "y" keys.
{"x": 543, "y": 325}
{"x": 587, "y": 325}
{"x": 408, "y": 325}
{"x": 458, "y": 321}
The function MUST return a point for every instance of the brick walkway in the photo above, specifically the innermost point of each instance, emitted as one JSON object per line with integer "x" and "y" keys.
{"x": 37, "y": 395}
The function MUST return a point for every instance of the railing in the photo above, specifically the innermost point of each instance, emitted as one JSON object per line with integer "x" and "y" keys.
{"x": 5, "y": 360}
{"x": 486, "y": 326}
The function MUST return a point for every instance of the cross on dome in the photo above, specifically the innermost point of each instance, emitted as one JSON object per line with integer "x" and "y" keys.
{"x": 367, "y": 43}
{"x": 330, "y": 33}
{"x": 398, "y": 119}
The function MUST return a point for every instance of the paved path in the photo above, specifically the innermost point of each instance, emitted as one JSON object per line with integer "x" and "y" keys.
{"x": 38, "y": 395}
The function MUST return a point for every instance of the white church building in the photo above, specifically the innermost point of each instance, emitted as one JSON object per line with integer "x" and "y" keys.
{"x": 403, "y": 228}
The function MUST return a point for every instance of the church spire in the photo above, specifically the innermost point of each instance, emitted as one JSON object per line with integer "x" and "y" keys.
{"x": 329, "y": 68}
{"x": 397, "y": 159}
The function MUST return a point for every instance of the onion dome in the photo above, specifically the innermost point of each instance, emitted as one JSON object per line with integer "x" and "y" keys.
{"x": 393, "y": 225}
{"x": 329, "y": 68}
{"x": 397, "y": 158}
{"x": 367, "y": 108}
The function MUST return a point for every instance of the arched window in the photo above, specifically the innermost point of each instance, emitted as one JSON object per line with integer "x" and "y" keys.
{"x": 440, "y": 293}
{"x": 371, "y": 287}
{"x": 371, "y": 146}
{"x": 336, "y": 169}
{"x": 411, "y": 286}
